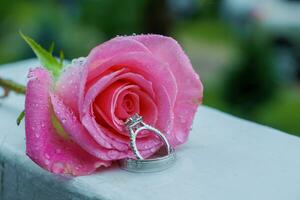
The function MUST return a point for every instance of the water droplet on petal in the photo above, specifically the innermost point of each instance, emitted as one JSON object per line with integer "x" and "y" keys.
{"x": 47, "y": 156}
{"x": 58, "y": 151}
{"x": 113, "y": 154}
{"x": 98, "y": 164}
{"x": 58, "y": 167}
{"x": 78, "y": 167}
{"x": 47, "y": 162}
{"x": 37, "y": 135}
{"x": 153, "y": 150}
{"x": 63, "y": 120}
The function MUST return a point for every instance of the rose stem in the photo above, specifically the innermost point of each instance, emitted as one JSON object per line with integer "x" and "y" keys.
{"x": 9, "y": 85}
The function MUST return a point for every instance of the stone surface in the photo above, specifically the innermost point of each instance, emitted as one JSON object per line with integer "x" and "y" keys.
{"x": 225, "y": 158}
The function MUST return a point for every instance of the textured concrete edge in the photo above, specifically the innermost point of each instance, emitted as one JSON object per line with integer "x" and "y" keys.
{"x": 20, "y": 179}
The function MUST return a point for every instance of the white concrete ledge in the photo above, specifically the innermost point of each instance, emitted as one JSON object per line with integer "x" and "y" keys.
{"x": 225, "y": 158}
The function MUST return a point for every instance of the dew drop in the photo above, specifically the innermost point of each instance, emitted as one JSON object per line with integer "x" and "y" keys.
{"x": 63, "y": 120}
{"x": 153, "y": 150}
{"x": 81, "y": 60}
{"x": 47, "y": 162}
{"x": 58, "y": 151}
{"x": 30, "y": 75}
{"x": 74, "y": 118}
{"x": 47, "y": 156}
{"x": 79, "y": 167}
{"x": 113, "y": 154}
{"x": 97, "y": 164}
{"x": 58, "y": 167}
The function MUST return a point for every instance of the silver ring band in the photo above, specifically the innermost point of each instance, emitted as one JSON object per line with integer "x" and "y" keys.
{"x": 149, "y": 165}
{"x": 144, "y": 126}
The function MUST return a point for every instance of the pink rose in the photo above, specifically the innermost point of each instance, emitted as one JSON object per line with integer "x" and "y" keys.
{"x": 76, "y": 124}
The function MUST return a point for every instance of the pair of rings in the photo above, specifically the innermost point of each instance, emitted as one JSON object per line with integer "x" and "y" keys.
{"x": 134, "y": 125}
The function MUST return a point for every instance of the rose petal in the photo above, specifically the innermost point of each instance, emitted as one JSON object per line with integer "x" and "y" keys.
{"x": 133, "y": 61}
{"x": 126, "y": 103}
{"x": 163, "y": 83}
{"x": 95, "y": 129}
{"x": 139, "y": 80}
{"x": 141, "y": 63}
{"x": 148, "y": 108}
{"x": 114, "y": 47}
{"x": 190, "y": 89}
{"x": 105, "y": 104}
{"x": 43, "y": 144}
{"x": 107, "y": 148}
{"x": 102, "y": 53}
{"x": 77, "y": 132}
{"x": 125, "y": 79}
{"x": 67, "y": 86}
{"x": 96, "y": 89}
{"x": 146, "y": 146}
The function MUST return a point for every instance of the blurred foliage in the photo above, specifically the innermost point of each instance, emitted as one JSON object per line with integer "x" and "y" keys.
{"x": 211, "y": 30}
{"x": 252, "y": 80}
{"x": 111, "y": 17}
{"x": 281, "y": 113}
{"x": 209, "y": 8}
{"x": 75, "y": 26}
{"x": 245, "y": 83}
{"x": 237, "y": 73}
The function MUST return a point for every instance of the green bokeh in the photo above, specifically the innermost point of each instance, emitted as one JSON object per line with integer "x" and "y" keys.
{"x": 223, "y": 58}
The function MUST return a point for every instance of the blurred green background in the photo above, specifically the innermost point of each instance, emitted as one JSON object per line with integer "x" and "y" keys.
{"x": 246, "y": 51}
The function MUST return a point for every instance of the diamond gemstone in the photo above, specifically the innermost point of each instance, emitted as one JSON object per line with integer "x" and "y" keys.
{"x": 134, "y": 119}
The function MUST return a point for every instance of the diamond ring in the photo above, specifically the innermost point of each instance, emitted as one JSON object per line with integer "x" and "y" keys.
{"x": 134, "y": 125}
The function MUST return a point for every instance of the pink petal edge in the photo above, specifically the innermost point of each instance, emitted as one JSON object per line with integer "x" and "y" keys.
{"x": 190, "y": 88}
{"x": 43, "y": 145}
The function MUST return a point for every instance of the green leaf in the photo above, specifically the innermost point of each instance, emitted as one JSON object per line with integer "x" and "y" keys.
{"x": 58, "y": 127}
{"x": 46, "y": 58}
{"x": 62, "y": 57}
{"x": 51, "y": 48}
{"x": 20, "y": 117}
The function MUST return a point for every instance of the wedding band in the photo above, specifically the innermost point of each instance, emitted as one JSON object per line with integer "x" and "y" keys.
{"x": 134, "y": 125}
{"x": 149, "y": 165}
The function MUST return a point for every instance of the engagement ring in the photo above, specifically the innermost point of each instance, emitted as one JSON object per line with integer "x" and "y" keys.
{"x": 134, "y": 125}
